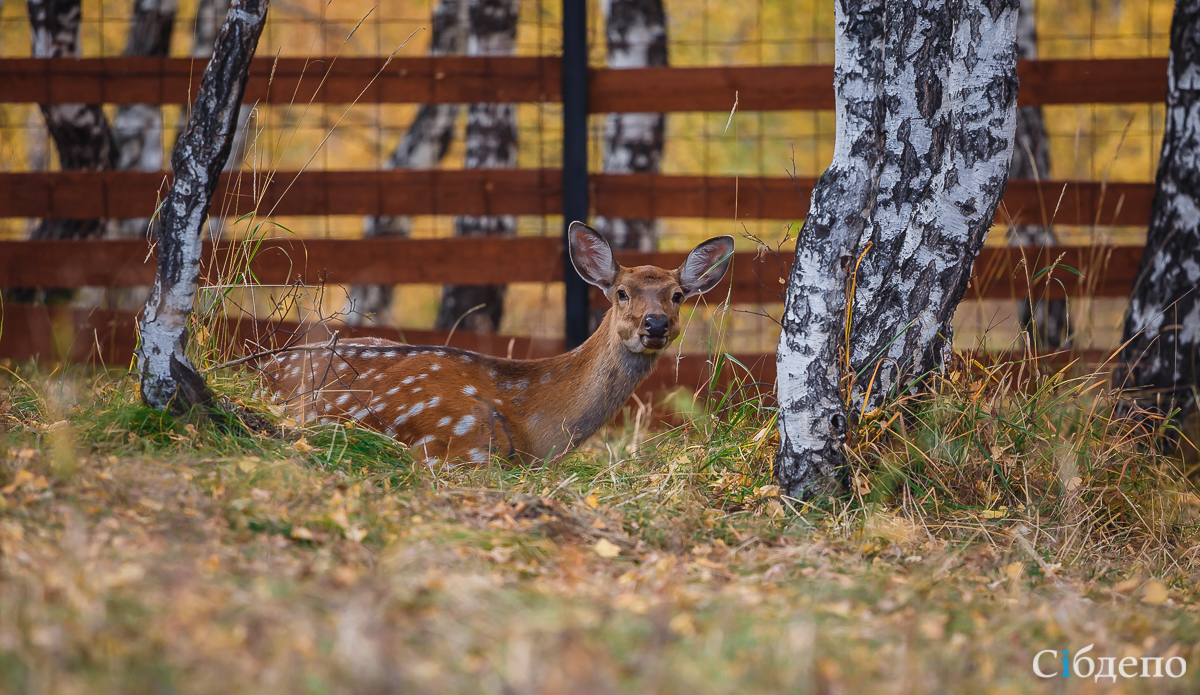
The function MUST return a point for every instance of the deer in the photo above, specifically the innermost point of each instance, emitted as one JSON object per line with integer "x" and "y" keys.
{"x": 452, "y": 406}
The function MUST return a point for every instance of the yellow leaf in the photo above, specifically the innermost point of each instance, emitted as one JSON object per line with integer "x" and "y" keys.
{"x": 682, "y": 624}
{"x": 1014, "y": 570}
{"x": 994, "y": 513}
{"x": 1154, "y": 593}
{"x": 248, "y": 464}
{"x": 592, "y": 501}
{"x": 301, "y": 534}
{"x": 301, "y": 445}
{"x": 1127, "y": 587}
{"x": 355, "y": 534}
{"x": 605, "y": 549}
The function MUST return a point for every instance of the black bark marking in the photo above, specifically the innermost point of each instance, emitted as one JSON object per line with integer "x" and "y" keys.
{"x": 1162, "y": 325}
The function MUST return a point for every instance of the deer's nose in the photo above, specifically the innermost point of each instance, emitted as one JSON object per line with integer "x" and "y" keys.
{"x": 656, "y": 325}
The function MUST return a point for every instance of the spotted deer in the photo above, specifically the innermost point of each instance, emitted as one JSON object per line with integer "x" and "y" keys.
{"x": 450, "y": 405}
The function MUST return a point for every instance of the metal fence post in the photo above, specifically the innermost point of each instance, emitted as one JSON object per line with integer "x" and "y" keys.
{"x": 575, "y": 159}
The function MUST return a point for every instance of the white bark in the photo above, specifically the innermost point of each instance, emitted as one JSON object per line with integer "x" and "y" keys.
{"x": 168, "y": 378}
{"x": 1162, "y": 326}
{"x": 491, "y": 140}
{"x": 926, "y": 109}
{"x": 636, "y": 36}
{"x": 422, "y": 147}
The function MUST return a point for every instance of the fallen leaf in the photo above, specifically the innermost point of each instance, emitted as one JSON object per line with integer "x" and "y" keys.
{"x": 1128, "y": 586}
{"x": 1154, "y": 593}
{"x": 606, "y": 549}
{"x": 301, "y": 534}
{"x": 301, "y": 445}
{"x": 682, "y": 625}
{"x": 592, "y": 501}
{"x": 1014, "y": 570}
{"x": 994, "y": 513}
{"x": 355, "y": 534}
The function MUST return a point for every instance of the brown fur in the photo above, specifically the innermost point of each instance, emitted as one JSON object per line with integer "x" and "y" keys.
{"x": 454, "y": 405}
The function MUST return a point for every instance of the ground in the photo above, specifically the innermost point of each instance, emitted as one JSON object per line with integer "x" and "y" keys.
{"x": 144, "y": 553}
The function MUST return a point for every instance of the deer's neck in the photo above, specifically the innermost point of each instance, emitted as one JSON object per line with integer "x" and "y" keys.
{"x": 587, "y": 387}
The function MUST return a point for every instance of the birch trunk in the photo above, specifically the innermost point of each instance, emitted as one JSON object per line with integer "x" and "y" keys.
{"x": 926, "y": 98}
{"x": 209, "y": 16}
{"x": 491, "y": 141}
{"x": 80, "y": 131}
{"x": 1043, "y": 320}
{"x": 1162, "y": 325}
{"x": 138, "y": 128}
{"x": 169, "y": 381}
{"x": 422, "y": 147}
{"x": 636, "y": 35}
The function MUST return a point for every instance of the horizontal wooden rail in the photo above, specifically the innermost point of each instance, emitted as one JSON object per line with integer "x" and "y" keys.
{"x": 109, "y": 337}
{"x": 126, "y": 194}
{"x": 96, "y": 336}
{"x": 1000, "y": 273}
{"x": 456, "y": 79}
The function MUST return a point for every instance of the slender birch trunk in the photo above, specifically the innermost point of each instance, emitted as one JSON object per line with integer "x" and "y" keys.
{"x": 80, "y": 131}
{"x": 1044, "y": 320}
{"x": 138, "y": 128}
{"x": 209, "y": 16}
{"x": 926, "y": 99}
{"x": 422, "y": 147}
{"x": 1162, "y": 324}
{"x": 169, "y": 381}
{"x": 636, "y": 35}
{"x": 491, "y": 141}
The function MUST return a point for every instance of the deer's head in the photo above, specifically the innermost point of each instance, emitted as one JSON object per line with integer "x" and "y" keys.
{"x": 646, "y": 299}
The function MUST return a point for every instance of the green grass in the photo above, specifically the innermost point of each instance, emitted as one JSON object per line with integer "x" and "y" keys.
{"x": 990, "y": 520}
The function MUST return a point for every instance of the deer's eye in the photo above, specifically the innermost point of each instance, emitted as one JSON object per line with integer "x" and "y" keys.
{"x": 621, "y": 295}
{"x": 678, "y": 297}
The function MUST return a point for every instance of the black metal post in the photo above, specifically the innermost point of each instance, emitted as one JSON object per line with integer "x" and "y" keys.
{"x": 575, "y": 159}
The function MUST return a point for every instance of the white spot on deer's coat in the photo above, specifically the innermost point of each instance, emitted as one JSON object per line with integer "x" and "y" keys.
{"x": 393, "y": 391}
{"x": 434, "y": 367}
{"x": 498, "y": 401}
{"x": 378, "y": 376}
{"x": 422, "y": 441}
{"x": 400, "y": 420}
{"x": 295, "y": 372}
{"x": 361, "y": 414}
{"x": 324, "y": 421}
{"x": 368, "y": 373}
{"x": 440, "y": 353}
{"x": 444, "y": 421}
{"x": 341, "y": 400}
{"x": 464, "y": 425}
{"x": 341, "y": 367}
{"x": 367, "y": 354}
{"x": 546, "y": 378}
{"x": 408, "y": 380}
{"x": 417, "y": 390}
{"x": 434, "y": 401}
{"x": 476, "y": 455}
{"x": 328, "y": 406}
{"x": 422, "y": 376}
{"x": 469, "y": 390}
{"x": 416, "y": 409}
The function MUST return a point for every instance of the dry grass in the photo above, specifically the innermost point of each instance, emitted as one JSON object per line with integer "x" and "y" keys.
{"x": 143, "y": 554}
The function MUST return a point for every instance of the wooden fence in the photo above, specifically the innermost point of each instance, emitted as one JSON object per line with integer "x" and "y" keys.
{"x": 108, "y": 336}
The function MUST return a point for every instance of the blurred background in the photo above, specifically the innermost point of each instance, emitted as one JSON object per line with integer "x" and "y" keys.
{"x": 1116, "y": 143}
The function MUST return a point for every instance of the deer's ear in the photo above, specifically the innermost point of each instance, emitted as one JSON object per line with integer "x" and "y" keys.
{"x": 592, "y": 256}
{"x": 706, "y": 265}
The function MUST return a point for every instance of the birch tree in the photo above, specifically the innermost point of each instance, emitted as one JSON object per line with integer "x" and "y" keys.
{"x": 80, "y": 132}
{"x": 138, "y": 128}
{"x": 169, "y": 381}
{"x": 423, "y": 147}
{"x": 926, "y": 98}
{"x": 636, "y": 35}
{"x": 1162, "y": 324}
{"x": 1044, "y": 320}
{"x": 491, "y": 143}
